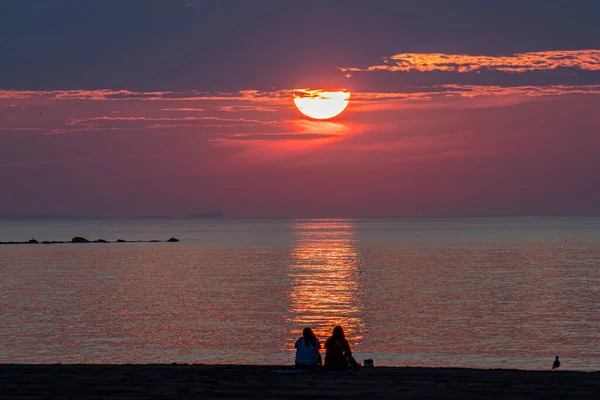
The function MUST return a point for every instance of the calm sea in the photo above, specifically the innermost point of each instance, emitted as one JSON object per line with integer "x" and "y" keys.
{"x": 468, "y": 292}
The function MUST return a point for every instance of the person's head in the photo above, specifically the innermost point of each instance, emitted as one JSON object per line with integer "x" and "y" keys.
{"x": 309, "y": 336}
{"x": 338, "y": 333}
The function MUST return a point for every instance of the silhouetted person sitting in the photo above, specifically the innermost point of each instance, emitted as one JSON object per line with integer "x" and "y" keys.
{"x": 307, "y": 350}
{"x": 337, "y": 351}
{"x": 556, "y": 363}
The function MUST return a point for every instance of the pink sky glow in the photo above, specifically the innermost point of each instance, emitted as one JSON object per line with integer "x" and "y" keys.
{"x": 439, "y": 149}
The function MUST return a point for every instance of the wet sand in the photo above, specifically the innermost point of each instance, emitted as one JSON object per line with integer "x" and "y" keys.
{"x": 184, "y": 381}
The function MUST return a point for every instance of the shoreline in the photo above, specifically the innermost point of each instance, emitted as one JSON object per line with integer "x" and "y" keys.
{"x": 131, "y": 381}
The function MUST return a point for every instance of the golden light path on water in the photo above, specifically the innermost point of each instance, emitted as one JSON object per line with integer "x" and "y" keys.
{"x": 324, "y": 273}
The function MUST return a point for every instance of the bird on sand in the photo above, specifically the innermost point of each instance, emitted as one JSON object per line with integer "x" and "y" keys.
{"x": 556, "y": 363}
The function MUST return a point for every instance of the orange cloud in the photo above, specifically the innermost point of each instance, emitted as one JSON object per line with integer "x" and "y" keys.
{"x": 182, "y": 109}
{"x": 81, "y": 121}
{"x": 587, "y": 60}
{"x": 463, "y": 96}
{"x": 276, "y": 100}
{"x": 452, "y": 90}
{"x": 4, "y": 129}
{"x": 279, "y": 136}
{"x": 247, "y": 108}
{"x": 130, "y": 115}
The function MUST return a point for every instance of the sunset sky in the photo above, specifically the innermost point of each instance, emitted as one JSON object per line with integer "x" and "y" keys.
{"x": 125, "y": 108}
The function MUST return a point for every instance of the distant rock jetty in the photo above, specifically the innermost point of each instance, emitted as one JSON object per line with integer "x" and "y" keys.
{"x": 79, "y": 239}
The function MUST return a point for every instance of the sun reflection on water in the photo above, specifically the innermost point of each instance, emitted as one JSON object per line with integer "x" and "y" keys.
{"x": 324, "y": 272}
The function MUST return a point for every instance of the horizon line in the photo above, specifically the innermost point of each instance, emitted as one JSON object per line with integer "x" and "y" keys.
{"x": 187, "y": 218}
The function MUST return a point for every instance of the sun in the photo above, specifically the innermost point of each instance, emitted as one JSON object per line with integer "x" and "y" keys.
{"x": 321, "y": 104}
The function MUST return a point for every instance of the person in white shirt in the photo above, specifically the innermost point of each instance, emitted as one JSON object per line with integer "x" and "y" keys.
{"x": 307, "y": 350}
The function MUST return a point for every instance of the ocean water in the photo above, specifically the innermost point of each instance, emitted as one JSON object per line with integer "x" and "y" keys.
{"x": 465, "y": 292}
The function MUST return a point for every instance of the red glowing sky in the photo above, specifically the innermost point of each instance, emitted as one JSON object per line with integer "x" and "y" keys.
{"x": 438, "y": 131}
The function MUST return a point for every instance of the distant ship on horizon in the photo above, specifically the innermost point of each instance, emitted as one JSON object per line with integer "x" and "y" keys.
{"x": 211, "y": 215}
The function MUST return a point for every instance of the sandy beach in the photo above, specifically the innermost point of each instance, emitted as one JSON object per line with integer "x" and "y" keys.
{"x": 283, "y": 382}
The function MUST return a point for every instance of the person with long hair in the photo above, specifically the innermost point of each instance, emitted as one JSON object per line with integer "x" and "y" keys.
{"x": 307, "y": 350}
{"x": 337, "y": 351}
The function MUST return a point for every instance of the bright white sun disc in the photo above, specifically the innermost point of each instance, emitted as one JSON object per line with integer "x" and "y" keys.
{"x": 321, "y": 104}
